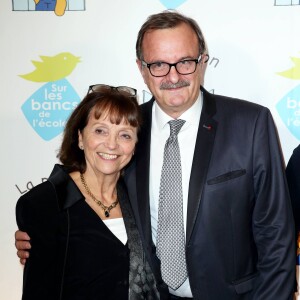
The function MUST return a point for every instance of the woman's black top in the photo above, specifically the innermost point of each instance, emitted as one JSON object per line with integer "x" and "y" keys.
{"x": 74, "y": 255}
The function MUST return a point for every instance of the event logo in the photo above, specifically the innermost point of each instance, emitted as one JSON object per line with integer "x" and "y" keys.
{"x": 289, "y": 106}
{"x": 47, "y": 109}
{"x": 172, "y": 4}
{"x": 58, "y": 6}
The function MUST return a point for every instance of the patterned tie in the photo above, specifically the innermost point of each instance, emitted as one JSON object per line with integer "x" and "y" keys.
{"x": 170, "y": 229}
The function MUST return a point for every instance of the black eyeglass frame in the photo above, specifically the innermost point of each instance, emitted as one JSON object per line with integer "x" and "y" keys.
{"x": 196, "y": 60}
{"x": 121, "y": 89}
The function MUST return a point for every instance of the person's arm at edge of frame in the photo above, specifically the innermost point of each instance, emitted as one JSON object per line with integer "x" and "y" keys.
{"x": 22, "y": 244}
{"x": 293, "y": 179}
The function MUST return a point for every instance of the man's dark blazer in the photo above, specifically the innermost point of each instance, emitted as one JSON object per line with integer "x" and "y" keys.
{"x": 293, "y": 177}
{"x": 240, "y": 232}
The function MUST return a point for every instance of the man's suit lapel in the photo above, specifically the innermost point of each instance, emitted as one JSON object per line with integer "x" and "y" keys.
{"x": 142, "y": 154}
{"x": 203, "y": 150}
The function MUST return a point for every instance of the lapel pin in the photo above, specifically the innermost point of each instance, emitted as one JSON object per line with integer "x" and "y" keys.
{"x": 208, "y": 127}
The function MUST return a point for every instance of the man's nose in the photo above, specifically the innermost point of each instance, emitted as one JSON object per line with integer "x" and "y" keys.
{"x": 173, "y": 75}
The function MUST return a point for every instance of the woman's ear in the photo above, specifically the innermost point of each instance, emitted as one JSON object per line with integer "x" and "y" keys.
{"x": 80, "y": 143}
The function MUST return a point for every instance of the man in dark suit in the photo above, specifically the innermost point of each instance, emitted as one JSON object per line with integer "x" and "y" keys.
{"x": 293, "y": 178}
{"x": 238, "y": 221}
{"x": 237, "y": 218}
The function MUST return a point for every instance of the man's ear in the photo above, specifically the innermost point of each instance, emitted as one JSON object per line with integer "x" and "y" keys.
{"x": 141, "y": 68}
{"x": 139, "y": 64}
{"x": 204, "y": 62}
{"x": 203, "y": 65}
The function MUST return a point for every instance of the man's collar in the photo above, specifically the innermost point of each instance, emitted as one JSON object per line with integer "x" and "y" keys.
{"x": 192, "y": 115}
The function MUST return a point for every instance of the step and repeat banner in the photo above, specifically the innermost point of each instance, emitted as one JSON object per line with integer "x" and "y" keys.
{"x": 51, "y": 51}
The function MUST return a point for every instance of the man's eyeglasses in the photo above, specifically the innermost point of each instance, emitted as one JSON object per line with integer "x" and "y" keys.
{"x": 104, "y": 87}
{"x": 183, "y": 67}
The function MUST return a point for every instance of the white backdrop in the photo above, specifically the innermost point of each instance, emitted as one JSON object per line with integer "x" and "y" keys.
{"x": 250, "y": 42}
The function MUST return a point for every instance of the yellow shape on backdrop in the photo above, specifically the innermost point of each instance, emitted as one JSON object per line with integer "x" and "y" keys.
{"x": 52, "y": 68}
{"x": 294, "y": 72}
{"x": 60, "y": 7}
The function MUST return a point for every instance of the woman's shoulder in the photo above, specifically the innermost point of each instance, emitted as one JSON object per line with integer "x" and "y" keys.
{"x": 47, "y": 189}
{"x": 40, "y": 194}
{"x": 36, "y": 207}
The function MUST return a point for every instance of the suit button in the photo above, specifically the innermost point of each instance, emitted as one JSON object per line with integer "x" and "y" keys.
{"x": 124, "y": 253}
{"x": 123, "y": 282}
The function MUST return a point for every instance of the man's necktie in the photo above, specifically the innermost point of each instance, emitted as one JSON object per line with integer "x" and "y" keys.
{"x": 170, "y": 228}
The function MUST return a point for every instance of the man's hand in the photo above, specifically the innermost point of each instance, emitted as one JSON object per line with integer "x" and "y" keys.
{"x": 22, "y": 244}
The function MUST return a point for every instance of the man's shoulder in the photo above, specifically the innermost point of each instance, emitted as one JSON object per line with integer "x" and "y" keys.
{"x": 233, "y": 101}
{"x": 230, "y": 105}
{"x": 234, "y": 105}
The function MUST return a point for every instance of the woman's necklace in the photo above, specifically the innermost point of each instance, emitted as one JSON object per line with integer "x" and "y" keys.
{"x": 105, "y": 208}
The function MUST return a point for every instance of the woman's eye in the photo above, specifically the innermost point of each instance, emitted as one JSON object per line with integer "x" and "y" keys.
{"x": 99, "y": 131}
{"x": 126, "y": 136}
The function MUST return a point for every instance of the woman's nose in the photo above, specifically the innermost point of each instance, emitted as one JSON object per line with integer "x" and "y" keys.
{"x": 111, "y": 142}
